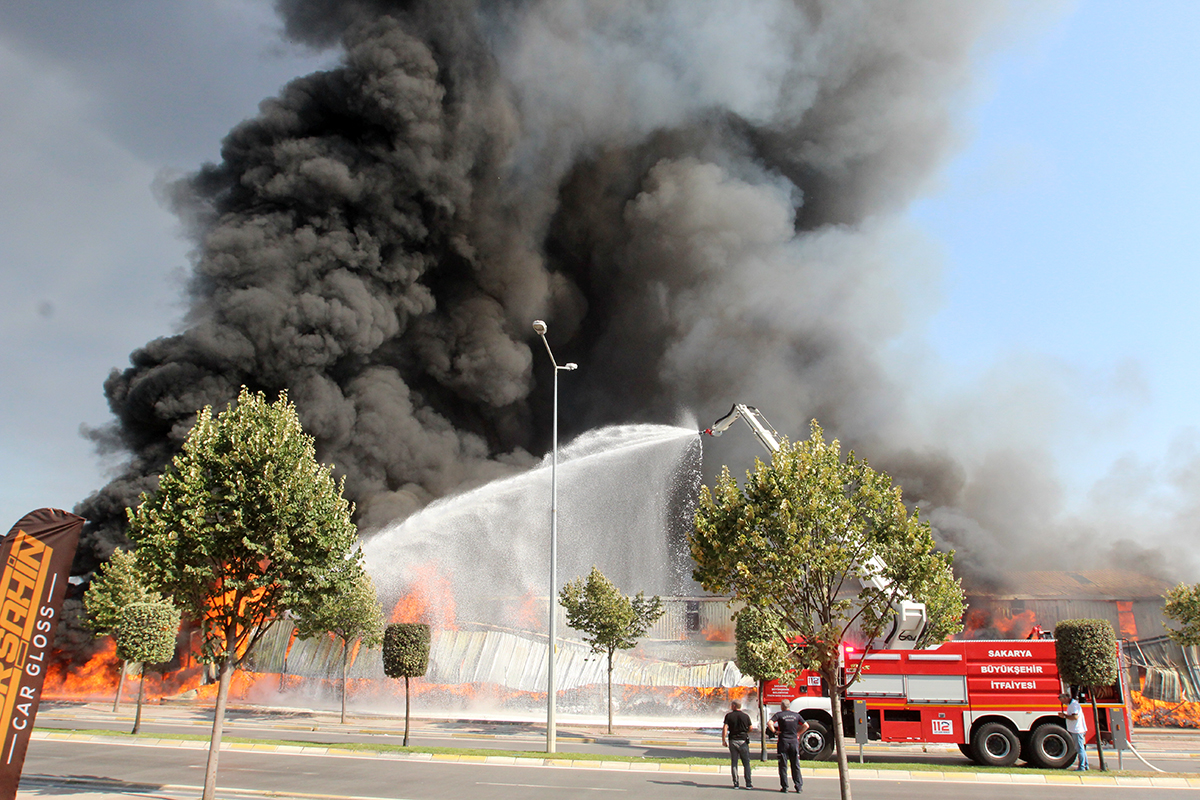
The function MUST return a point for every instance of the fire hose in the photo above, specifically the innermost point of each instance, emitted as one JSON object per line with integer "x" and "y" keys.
{"x": 1133, "y": 750}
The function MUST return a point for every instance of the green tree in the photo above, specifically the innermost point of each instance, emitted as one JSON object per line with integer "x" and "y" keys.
{"x": 761, "y": 651}
{"x": 245, "y": 526}
{"x": 146, "y": 633}
{"x": 354, "y": 615}
{"x": 1086, "y": 652}
{"x": 116, "y": 585}
{"x": 1183, "y": 607}
{"x": 406, "y": 655}
{"x": 609, "y": 620}
{"x": 799, "y": 536}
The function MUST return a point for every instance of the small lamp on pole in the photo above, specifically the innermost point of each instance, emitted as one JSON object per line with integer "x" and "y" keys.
{"x": 539, "y": 327}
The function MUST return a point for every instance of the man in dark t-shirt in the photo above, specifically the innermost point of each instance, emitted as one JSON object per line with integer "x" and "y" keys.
{"x": 735, "y": 733}
{"x": 788, "y": 726}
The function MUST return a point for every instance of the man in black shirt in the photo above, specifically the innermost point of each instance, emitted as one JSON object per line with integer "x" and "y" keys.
{"x": 788, "y": 727}
{"x": 735, "y": 734}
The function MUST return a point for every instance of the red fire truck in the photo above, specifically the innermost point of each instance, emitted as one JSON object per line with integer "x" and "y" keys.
{"x": 997, "y": 700}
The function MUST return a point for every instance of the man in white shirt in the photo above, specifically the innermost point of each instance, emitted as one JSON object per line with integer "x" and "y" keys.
{"x": 1076, "y": 725}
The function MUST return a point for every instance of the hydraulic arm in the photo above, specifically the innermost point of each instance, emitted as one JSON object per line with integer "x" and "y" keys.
{"x": 910, "y": 615}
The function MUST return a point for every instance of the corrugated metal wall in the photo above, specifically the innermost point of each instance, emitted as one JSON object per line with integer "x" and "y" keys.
{"x": 1147, "y": 614}
{"x": 495, "y": 657}
{"x": 1172, "y": 671}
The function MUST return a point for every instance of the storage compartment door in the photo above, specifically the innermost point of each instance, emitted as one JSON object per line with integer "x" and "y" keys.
{"x": 937, "y": 689}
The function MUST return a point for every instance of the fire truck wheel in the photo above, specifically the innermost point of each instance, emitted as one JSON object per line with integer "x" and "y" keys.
{"x": 995, "y": 745}
{"x": 1051, "y": 747}
{"x": 815, "y": 743}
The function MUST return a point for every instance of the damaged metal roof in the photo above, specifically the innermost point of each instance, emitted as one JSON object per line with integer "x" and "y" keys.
{"x": 1098, "y": 584}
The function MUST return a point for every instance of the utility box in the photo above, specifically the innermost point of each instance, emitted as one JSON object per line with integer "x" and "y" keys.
{"x": 860, "y": 721}
{"x": 1116, "y": 720}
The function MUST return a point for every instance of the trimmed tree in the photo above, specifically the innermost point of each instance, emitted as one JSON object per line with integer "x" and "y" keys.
{"x": 354, "y": 615}
{"x": 803, "y": 531}
{"x": 609, "y": 620}
{"x": 146, "y": 633}
{"x": 1086, "y": 651}
{"x": 245, "y": 526}
{"x": 406, "y": 655}
{"x": 760, "y": 651}
{"x": 1183, "y": 607}
{"x": 117, "y": 584}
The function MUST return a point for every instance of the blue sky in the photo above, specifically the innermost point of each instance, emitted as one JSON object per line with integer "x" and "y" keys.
{"x": 1064, "y": 225}
{"x": 1068, "y": 227}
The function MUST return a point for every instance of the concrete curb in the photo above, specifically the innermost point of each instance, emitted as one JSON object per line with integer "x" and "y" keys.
{"x": 1065, "y": 779}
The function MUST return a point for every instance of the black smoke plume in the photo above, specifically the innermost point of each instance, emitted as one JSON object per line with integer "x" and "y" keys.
{"x": 700, "y": 199}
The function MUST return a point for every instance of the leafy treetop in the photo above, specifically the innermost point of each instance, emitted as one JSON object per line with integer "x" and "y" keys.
{"x": 246, "y": 525}
{"x": 1183, "y": 607}
{"x": 117, "y": 584}
{"x": 798, "y": 540}
{"x": 760, "y": 648}
{"x": 1086, "y": 651}
{"x": 147, "y": 632}
{"x": 406, "y": 650}
{"x": 349, "y": 615}
{"x": 608, "y": 619}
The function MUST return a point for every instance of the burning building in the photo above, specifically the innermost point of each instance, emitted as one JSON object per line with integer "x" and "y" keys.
{"x": 1010, "y": 607}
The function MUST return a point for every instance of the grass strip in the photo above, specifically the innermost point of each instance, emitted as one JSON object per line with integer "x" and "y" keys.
{"x": 382, "y": 748}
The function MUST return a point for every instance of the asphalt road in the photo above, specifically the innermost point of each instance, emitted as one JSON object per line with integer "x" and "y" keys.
{"x": 109, "y": 770}
{"x": 1173, "y": 751}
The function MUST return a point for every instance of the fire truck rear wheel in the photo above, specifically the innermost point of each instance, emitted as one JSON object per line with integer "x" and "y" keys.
{"x": 1051, "y": 747}
{"x": 995, "y": 745}
{"x": 816, "y": 744}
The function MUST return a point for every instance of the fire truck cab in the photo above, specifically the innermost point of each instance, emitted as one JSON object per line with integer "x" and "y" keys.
{"x": 998, "y": 701}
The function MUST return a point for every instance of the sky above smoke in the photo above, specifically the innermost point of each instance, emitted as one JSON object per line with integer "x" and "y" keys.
{"x": 768, "y": 202}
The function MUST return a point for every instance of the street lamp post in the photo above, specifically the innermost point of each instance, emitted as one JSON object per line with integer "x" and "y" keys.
{"x": 539, "y": 327}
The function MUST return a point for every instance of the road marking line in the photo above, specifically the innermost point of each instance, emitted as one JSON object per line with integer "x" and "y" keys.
{"x": 546, "y": 786}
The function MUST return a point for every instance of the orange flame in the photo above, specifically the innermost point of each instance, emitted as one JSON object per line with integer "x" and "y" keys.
{"x": 95, "y": 679}
{"x": 530, "y": 613}
{"x": 221, "y": 608}
{"x": 241, "y": 684}
{"x": 1161, "y": 714}
{"x": 996, "y": 621}
{"x": 98, "y": 678}
{"x": 430, "y": 599}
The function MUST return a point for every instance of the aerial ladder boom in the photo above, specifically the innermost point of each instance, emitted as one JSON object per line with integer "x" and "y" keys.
{"x": 910, "y": 616}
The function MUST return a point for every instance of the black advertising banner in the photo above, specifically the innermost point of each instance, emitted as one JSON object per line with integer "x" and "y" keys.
{"x": 35, "y": 561}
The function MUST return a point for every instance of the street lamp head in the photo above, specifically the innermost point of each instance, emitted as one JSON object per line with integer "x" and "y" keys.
{"x": 539, "y": 327}
{"x": 570, "y": 365}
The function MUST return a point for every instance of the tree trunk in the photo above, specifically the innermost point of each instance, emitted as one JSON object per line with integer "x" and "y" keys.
{"x": 214, "y": 746}
{"x": 610, "y": 655}
{"x": 406, "y": 711}
{"x": 1096, "y": 724}
{"x": 120, "y": 686}
{"x": 839, "y": 739}
{"x": 137, "y": 719}
{"x": 762, "y": 720}
{"x": 345, "y": 656}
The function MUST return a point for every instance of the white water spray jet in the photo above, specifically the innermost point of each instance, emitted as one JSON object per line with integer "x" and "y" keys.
{"x": 477, "y": 564}
{"x": 619, "y": 489}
